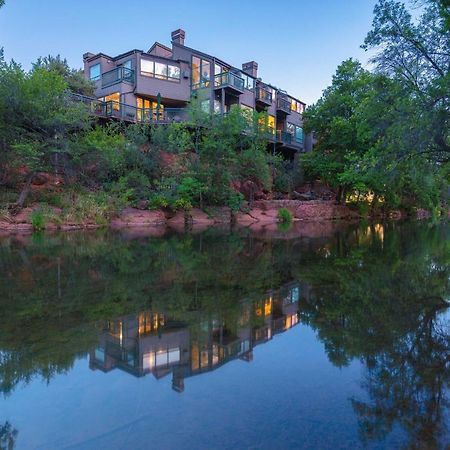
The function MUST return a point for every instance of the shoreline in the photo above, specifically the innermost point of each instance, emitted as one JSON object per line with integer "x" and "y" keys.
{"x": 263, "y": 214}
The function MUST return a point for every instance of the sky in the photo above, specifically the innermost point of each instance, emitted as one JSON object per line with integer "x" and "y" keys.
{"x": 297, "y": 44}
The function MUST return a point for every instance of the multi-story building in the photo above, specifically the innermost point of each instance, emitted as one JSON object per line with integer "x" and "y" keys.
{"x": 156, "y": 86}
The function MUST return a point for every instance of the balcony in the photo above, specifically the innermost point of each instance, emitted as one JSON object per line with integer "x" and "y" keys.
{"x": 288, "y": 139}
{"x": 230, "y": 81}
{"x": 263, "y": 96}
{"x": 117, "y": 75}
{"x": 283, "y": 105}
{"x": 129, "y": 113}
{"x": 284, "y": 138}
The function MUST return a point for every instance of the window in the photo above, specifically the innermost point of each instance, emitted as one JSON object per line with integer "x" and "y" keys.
{"x": 296, "y": 132}
{"x": 160, "y": 70}
{"x": 94, "y": 72}
{"x": 271, "y": 123}
{"x": 296, "y": 106}
{"x": 249, "y": 82}
{"x": 201, "y": 72}
{"x": 147, "y": 111}
{"x": 127, "y": 64}
{"x": 217, "y": 108}
{"x": 147, "y": 67}
{"x": 205, "y": 106}
{"x": 114, "y": 99}
{"x": 173, "y": 72}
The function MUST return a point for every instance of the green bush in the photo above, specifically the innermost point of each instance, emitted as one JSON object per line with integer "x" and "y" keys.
{"x": 284, "y": 215}
{"x": 38, "y": 220}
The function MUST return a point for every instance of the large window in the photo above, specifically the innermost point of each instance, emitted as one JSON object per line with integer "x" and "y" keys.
{"x": 249, "y": 82}
{"x": 114, "y": 98}
{"x": 159, "y": 70}
{"x": 201, "y": 72}
{"x": 296, "y": 106}
{"x": 296, "y": 132}
{"x": 148, "y": 110}
{"x": 94, "y": 72}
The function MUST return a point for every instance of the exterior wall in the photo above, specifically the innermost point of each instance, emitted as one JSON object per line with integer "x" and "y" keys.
{"x": 176, "y": 94}
{"x": 171, "y": 91}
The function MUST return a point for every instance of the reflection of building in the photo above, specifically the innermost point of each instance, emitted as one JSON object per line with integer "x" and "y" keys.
{"x": 151, "y": 342}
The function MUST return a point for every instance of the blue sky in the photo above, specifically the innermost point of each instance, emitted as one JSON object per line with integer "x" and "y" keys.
{"x": 297, "y": 44}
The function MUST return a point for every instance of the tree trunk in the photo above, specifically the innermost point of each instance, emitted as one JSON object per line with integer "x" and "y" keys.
{"x": 23, "y": 194}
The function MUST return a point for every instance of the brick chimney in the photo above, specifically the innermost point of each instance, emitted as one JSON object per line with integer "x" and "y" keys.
{"x": 251, "y": 68}
{"x": 178, "y": 36}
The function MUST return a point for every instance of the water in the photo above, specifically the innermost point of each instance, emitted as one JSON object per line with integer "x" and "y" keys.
{"x": 338, "y": 338}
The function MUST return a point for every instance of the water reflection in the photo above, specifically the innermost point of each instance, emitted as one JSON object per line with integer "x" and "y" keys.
{"x": 186, "y": 305}
{"x": 154, "y": 343}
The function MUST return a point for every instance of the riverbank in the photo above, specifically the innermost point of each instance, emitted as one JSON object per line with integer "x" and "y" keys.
{"x": 263, "y": 213}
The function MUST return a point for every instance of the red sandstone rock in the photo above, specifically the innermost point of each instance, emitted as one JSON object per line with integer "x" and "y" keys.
{"x": 131, "y": 217}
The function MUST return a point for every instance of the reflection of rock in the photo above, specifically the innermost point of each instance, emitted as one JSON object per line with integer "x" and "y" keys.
{"x": 132, "y": 217}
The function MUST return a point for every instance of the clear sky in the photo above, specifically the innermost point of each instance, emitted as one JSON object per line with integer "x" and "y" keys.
{"x": 297, "y": 44}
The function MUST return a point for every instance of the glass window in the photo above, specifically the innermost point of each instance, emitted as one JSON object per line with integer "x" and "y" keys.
{"x": 195, "y": 71}
{"x": 271, "y": 123}
{"x": 114, "y": 99}
{"x": 160, "y": 70}
{"x": 94, "y": 72}
{"x": 299, "y": 134}
{"x": 291, "y": 128}
{"x": 205, "y": 106}
{"x": 206, "y": 72}
{"x": 217, "y": 106}
{"x": 217, "y": 69}
{"x": 173, "y": 72}
{"x": 127, "y": 64}
{"x": 201, "y": 72}
{"x": 147, "y": 67}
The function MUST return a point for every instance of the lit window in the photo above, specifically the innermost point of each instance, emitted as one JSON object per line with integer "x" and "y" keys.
{"x": 114, "y": 99}
{"x": 201, "y": 72}
{"x": 94, "y": 72}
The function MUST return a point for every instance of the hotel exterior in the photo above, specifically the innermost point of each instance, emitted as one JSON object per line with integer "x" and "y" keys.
{"x": 155, "y": 86}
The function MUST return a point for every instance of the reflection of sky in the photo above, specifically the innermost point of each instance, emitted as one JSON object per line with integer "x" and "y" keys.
{"x": 289, "y": 393}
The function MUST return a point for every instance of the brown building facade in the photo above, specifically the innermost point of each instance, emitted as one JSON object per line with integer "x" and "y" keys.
{"x": 157, "y": 85}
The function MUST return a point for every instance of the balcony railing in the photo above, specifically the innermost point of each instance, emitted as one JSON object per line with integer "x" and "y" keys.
{"x": 117, "y": 75}
{"x": 229, "y": 79}
{"x": 264, "y": 95}
{"x": 284, "y": 137}
{"x": 283, "y": 105}
{"x": 130, "y": 113}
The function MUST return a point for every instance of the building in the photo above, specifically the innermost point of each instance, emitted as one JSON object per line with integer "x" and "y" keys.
{"x": 156, "y": 86}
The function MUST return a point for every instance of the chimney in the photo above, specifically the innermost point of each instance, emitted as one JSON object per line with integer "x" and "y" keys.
{"x": 87, "y": 56}
{"x": 250, "y": 68}
{"x": 178, "y": 36}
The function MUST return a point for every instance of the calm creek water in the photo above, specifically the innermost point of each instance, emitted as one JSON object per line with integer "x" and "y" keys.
{"x": 336, "y": 339}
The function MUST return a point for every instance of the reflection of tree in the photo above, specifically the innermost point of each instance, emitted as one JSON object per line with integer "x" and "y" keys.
{"x": 54, "y": 290}
{"x": 8, "y": 436}
{"x": 407, "y": 384}
{"x": 384, "y": 304}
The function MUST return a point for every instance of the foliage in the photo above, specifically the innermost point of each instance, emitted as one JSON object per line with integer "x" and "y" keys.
{"x": 386, "y": 134}
{"x": 38, "y": 220}
{"x": 284, "y": 215}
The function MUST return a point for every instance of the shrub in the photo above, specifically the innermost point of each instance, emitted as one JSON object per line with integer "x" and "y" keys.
{"x": 38, "y": 220}
{"x": 284, "y": 215}
{"x": 183, "y": 204}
